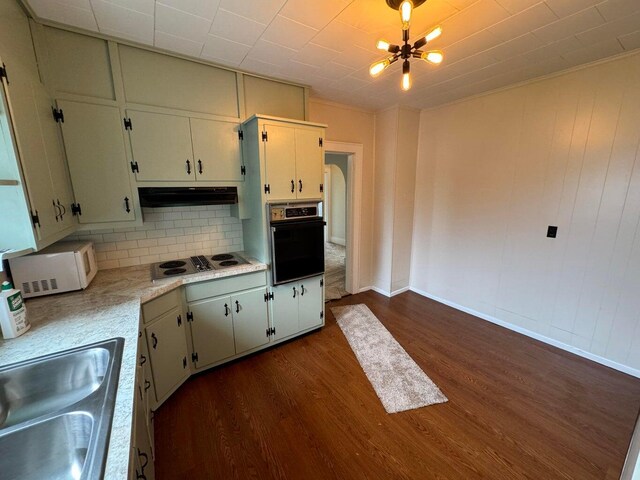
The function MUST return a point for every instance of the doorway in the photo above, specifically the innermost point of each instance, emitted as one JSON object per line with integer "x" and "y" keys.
{"x": 335, "y": 194}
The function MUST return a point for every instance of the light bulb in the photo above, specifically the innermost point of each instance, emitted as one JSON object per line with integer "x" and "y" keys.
{"x": 433, "y": 56}
{"x": 383, "y": 45}
{"x": 406, "y": 81}
{"x": 433, "y": 34}
{"x": 405, "y": 13}
{"x": 378, "y": 67}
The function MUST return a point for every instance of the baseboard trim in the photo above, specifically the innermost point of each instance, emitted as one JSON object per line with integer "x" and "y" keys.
{"x": 338, "y": 241}
{"x": 380, "y": 291}
{"x": 365, "y": 289}
{"x": 399, "y": 291}
{"x": 550, "y": 341}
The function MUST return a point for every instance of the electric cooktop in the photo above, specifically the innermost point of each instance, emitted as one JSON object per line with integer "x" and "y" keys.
{"x": 195, "y": 264}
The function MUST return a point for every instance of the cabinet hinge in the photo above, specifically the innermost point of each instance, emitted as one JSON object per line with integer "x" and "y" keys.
{"x": 76, "y": 209}
{"x": 240, "y": 134}
{"x": 179, "y": 320}
{"x": 127, "y": 124}
{"x": 322, "y": 187}
{"x": 35, "y": 218}
{"x": 320, "y": 141}
{"x": 268, "y": 296}
{"x": 322, "y": 282}
{"x": 321, "y": 315}
{"x": 134, "y": 167}
{"x": 267, "y": 188}
{"x": 194, "y": 357}
{"x": 58, "y": 115}
{"x": 243, "y": 170}
{"x": 271, "y": 331}
{"x": 265, "y": 137}
{"x": 184, "y": 362}
{"x": 189, "y": 316}
{"x": 3, "y": 73}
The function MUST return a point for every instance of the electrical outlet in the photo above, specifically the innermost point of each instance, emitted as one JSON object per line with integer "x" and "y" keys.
{"x": 552, "y": 231}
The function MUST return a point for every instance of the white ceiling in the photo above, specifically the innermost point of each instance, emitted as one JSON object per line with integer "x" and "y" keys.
{"x": 329, "y": 44}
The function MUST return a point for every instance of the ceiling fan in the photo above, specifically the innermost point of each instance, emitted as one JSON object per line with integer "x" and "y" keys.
{"x": 407, "y": 51}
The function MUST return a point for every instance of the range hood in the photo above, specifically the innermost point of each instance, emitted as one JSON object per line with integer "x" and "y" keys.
{"x": 187, "y": 196}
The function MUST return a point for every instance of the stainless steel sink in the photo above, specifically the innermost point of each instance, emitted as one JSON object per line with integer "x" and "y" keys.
{"x": 56, "y": 412}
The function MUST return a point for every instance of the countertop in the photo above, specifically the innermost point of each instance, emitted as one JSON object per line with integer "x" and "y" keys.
{"x": 109, "y": 307}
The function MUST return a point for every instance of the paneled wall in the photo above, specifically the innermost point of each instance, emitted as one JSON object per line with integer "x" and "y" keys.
{"x": 167, "y": 233}
{"x": 495, "y": 171}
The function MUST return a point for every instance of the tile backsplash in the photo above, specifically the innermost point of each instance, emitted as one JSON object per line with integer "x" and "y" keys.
{"x": 167, "y": 233}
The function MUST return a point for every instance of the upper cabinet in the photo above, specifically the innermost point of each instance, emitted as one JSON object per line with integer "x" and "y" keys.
{"x": 95, "y": 146}
{"x": 268, "y": 97}
{"x": 174, "y": 148}
{"x": 290, "y": 155}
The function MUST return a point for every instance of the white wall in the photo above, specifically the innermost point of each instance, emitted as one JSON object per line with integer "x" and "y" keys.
{"x": 493, "y": 172}
{"x": 338, "y": 197}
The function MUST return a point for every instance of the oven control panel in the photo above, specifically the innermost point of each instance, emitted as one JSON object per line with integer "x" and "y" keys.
{"x": 280, "y": 213}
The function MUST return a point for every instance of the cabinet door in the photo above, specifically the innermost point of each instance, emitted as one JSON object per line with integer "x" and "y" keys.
{"x": 250, "y": 320}
{"x": 212, "y": 330}
{"x": 95, "y": 147}
{"x": 284, "y": 310}
{"x": 309, "y": 163}
{"x": 168, "y": 351}
{"x": 280, "y": 165}
{"x": 161, "y": 145}
{"x": 311, "y": 303}
{"x": 143, "y": 457}
{"x": 216, "y": 150}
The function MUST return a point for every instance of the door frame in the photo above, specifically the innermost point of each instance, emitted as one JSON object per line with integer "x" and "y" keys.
{"x": 354, "y": 152}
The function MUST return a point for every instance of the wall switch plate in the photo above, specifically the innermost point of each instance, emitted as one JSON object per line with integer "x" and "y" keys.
{"x": 552, "y": 231}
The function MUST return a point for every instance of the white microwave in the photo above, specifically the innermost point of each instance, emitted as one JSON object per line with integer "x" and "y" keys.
{"x": 61, "y": 267}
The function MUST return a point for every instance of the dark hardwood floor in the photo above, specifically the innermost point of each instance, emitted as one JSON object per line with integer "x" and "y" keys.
{"x": 305, "y": 410}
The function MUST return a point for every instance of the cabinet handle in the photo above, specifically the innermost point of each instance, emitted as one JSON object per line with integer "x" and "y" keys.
{"x": 140, "y": 476}
{"x": 147, "y": 384}
{"x": 302, "y": 290}
{"x": 188, "y": 167}
{"x": 237, "y": 306}
{"x": 295, "y": 292}
{"x": 300, "y": 185}
{"x": 126, "y": 205}
{"x": 226, "y": 310}
{"x": 200, "y": 167}
{"x": 293, "y": 186}
{"x": 155, "y": 340}
{"x": 146, "y": 460}
{"x": 143, "y": 360}
{"x": 58, "y": 211}
{"x": 62, "y": 208}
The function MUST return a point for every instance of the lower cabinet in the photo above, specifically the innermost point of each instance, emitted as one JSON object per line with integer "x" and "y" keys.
{"x": 297, "y": 306}
{"x": 226, "y": 326}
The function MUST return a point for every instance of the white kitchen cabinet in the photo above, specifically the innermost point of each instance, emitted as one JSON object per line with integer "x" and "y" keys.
{"x": 95, "y": 145}
{"x": 42, "y": 173}
{"x": 168, "y": 352}
{"x": 250, "y": 320}
{"x": 297, "y": 307}
{"x": 173, "y": 148}
{"x": 143, "y": 466}
{"x": 293, "y": 157}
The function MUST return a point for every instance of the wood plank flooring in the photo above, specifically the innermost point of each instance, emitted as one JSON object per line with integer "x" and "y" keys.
{"x": 305, "y": 410}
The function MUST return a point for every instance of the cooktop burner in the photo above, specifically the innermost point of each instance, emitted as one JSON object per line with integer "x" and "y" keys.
{"x": 222, "y": 256}
{"x": 173, "y": 264}
{"x": 228, "y": 263}
{"x": 175, "y": 271}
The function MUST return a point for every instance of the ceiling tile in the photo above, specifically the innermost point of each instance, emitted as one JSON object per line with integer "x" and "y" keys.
{"x": 630, "y": 41}
{"x": 424, "y": 18}
{"x": 236, "y": 28}
{"x": 269, "y": 52}
{"x": 570, "y": 25}
{"x": 517, "y": 46}
{"x": 460, "y": 4}
{"x": 610, "y": 30}
{"x": 262, "y": 11}
{"x": 139, "y": 36}
{"x": 335, "y": 70}
{"x": 314, "y": 14}
{"x": 132, "y": 24}
{"x": 515, "y": 6}
{"x": 84, "y": 4}
{"x": 523, "y": 22}
{"x": 614, "y": 9}
{"x": 263, "y": 68}
{"x": 562, "y": 8}
{"x": 478, "y": 42}
{"x": 594, "y": 52}
{"x": 201, "y": 8}
{"x": 217, "y": 48}
{"x": 313, "y": 54}
{"x": 181, "y": 24}
{"x": 478, "y": 16}
{"x": 286, "y": 32}
{"x": 177, "y": 44}
{"x": 143, "y": 6}
{"x": 77, "y": 14}
{"x": 338, "y": 36}
{"x": 369, "y": 16}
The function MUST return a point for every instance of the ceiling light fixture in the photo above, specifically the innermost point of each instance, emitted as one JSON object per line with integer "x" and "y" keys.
{"x": 407, "y": 51}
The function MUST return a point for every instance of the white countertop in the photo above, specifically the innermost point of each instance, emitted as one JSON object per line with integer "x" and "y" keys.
{"x": 109, "y": 307}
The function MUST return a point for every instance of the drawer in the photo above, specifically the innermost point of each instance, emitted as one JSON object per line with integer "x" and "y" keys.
{"x": 156, "y": 307}
{"x": 225, "y": 286}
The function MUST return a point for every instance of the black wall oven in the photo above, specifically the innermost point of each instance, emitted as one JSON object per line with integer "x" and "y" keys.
{"x": 297, "y": 241}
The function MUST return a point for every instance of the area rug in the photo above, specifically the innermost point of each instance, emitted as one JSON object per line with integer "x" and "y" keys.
{"x": 396, "y": 378}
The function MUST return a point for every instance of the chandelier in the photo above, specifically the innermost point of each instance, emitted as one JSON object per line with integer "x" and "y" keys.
{"x": 407, "y": 51}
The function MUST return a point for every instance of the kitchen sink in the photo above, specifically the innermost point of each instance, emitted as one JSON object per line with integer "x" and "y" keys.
{"x": 56, "y": 412}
